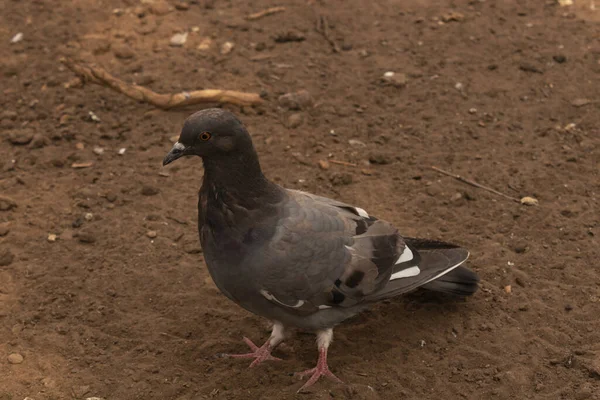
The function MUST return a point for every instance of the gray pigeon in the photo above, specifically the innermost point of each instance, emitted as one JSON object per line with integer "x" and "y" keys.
{"x": 298, "y": 259}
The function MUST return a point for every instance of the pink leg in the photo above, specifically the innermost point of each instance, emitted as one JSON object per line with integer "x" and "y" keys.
{"x": 262, "y": 353}
{"x": 259, "y": 354}
{"x": 322, "y": 369}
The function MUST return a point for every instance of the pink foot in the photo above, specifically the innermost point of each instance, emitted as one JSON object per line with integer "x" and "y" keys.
{"x": 320, "y": 370}
{"x": 259, "y": 354}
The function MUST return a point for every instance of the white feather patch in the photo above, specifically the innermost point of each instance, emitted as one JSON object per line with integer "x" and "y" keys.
{"x": 406, "y": 255}
{"x": 361, "y": 212}
{"x": 179, "y": 146}
{"x": 406, "y": 273}
{"x": 270, "y": 297}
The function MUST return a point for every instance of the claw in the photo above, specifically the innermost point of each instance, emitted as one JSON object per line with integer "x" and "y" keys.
{"x": 322, "y": 369}
{"x": 260, "y": 354}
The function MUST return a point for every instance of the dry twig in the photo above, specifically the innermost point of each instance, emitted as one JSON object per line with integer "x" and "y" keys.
{"x": 346, "y": 163}
{"x": 323, "y": 29}
{"x": 164, "y": 101}
{"x": 473, "y": 183}
{"x": 264, "y": 13}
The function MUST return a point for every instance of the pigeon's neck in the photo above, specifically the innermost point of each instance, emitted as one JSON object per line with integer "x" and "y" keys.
{"x": 238, "y": 179}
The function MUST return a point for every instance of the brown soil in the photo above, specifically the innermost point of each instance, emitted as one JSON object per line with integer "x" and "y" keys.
{"x": 107, "y": 311}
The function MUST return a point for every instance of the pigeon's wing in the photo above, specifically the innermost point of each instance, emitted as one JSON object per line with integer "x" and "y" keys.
{"x": 329, "y": 254}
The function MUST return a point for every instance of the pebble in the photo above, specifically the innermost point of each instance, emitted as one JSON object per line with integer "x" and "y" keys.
{"x": 289, "y": 36}
{"x": 178, "y": 39}
{"x": 581, "y": 102}
{"x": 472, "y": 110}
{"x": 205, "y": 44}
{"x": 380, "y": 159}
{"x": 52, "y": 237}
{"x": 20, "y": 137}
{"x": 182, "y": 6}
{"x": 15, "y": 358}
{"x": 227, "y": 47}
{"x": 356, "y": 142}
{"x": 7, "y": 204}
{"x": 111, "y": 197}
{"x": 122, "y": 151}
{"x": 151, "y": 234}
{"x": 123, "y": 51}
{"x": 527, "y": 67}
{"x": 38, "y": 141}
{"x": 394, "y": 79}
{"x": 98, "y": 150}
{"x": 160, "y": 8}
{"x": 6, "y": 257}
{"x": 295, "y": 120}
{"x": 4, "y": 229}
{"x": 79, "y": 146}
{"x": 323, "y": 164}
{"x": 559, "y": 58}
{"x": 520, "y": 248}
{"x": 296, "y": 100}
{"x": 453, "y": 16}
{"x": 88, "y": 216}
{"x": 77, "y": 223}
{"x": 149, "y": 190}
{"x": 86, "y": 237}
{"x": 341, "y": 179}
{"x": 17, "y": 38}
{"x": 94, "y": 398}
{"x": 529, "y": 201}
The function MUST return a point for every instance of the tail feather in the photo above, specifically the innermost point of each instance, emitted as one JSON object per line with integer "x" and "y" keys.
{"x": 460, "y": 281}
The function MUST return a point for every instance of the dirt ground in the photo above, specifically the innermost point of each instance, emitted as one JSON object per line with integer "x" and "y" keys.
{"x": 502, "y": 92}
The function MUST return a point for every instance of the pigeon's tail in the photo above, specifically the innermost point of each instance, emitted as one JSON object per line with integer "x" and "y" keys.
{"x": 460, "y": 281}
{"x": 432, "y": 265}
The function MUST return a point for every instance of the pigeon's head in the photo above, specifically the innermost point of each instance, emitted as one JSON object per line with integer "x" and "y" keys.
{"x": 210, "y": 133}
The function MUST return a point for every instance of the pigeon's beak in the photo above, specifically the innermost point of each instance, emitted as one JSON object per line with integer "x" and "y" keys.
{"x": 176, "y": 152}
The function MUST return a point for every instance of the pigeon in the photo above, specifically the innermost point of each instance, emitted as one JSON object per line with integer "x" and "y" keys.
{"x": 300, "y": 260}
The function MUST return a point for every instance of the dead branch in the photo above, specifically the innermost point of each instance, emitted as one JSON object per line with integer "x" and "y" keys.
{"x": 101, "y": 77}
{"x": 473, "y": 183}
{"x": 323, "y": 29}
{"x": 264, "y": 13}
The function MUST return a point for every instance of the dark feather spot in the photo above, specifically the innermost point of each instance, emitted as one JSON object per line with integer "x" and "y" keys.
{"x": 354, "y": 279}
{"x": 337, "y": 297}
{"x": 385, "y": 252}
{"x": 338, "y": 282}
{"x": 362, "y": 225}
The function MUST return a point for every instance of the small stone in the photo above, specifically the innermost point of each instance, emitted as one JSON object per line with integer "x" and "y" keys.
{"x": 296, "y": 100}
{"x": 205, "y": 44}
{"x": 160, "y": 8}
{"x": 7, "y": 204}
{"x": 559, "y": 58}
{"x": 111, "y": 197}
{"x": 149, "y": 190}
{"x": 192, "y": 248}
{"x": 453, "y": 16}
{"x": 123, "y": 51}
{"x": 98, "y": 150}
{"x": 456, "y": 196}
{"x": 529, "y": 201}
{"x": 78, "y": 222}
{"x": 568, "y": 307}
{"x": 146, "y": 26}
{"x": 80, "y": 165}
{"x": 38, "y": 141}
{"x": 356, "y": 142}
{"x": 341, "y": 178}
{"x": 289, "y": 36}
{"x": 394, "y": 79}
{"x": 472, "y": 110}
{"x": 17, "y": 38}
{"x": 88, "y": 216}
{"x": 52, "y": 237}
{"x": 323, "y": 164}
{"x": 178, "y": 39}
{"x": 182, "y": 6}
{"x": 94, "y": 398}
{"x": 295, "y": 120}
{"x": 151, "y": 234}
{"x": 380, "y": 159}
{"x": 527, "y": 67}
{"x": 122, "y": 151}
{"x": 4, "y": 229}
{"x": 6, "y": 257}
{"x": 508, "y": 289}
{"x": 79, "y": 146}
{"x": 581, "y": 102}
{"x": 86, "y": 237}
{"x": 80, "y": 391}
{"x": 93, "y": 117}
{"x": 15, "y": 358}
{"x": 520, "y": 248}
{"x": 227, "y": 47}
{"x": 20, "y": 137}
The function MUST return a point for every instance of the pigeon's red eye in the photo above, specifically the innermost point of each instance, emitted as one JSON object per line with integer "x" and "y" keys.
{"x": 205, "y": 136}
